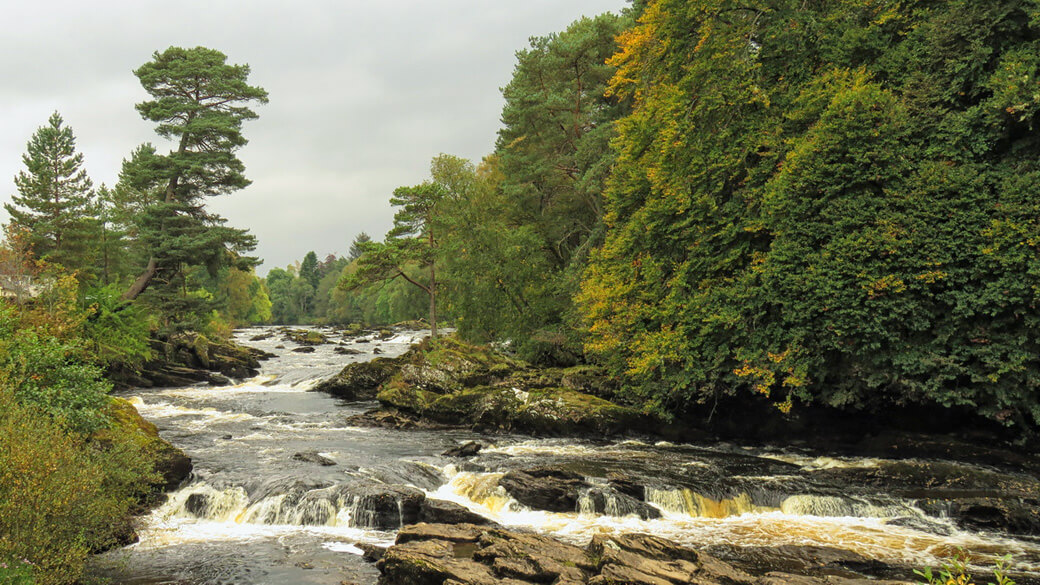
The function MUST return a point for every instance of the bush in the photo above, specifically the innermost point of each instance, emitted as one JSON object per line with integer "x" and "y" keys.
{"x": 116, "y": 331}
{"x": 45, "y": 372}
{"x": 61, "y": 495}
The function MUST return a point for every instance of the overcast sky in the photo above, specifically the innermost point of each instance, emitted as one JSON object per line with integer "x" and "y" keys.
{"x": 363, "y": 95}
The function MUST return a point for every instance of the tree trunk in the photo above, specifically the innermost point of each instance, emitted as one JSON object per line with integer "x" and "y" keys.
{"x": 142, "y": 281}
{"x": 145, "y": 278}
{"x": 433, "y": 302}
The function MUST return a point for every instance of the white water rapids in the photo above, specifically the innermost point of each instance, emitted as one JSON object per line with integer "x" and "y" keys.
{"x": 254, "y": 514}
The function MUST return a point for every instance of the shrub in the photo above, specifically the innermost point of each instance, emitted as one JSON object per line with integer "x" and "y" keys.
{"x": 61, "y": 495}
{"x": 955, "y": 572}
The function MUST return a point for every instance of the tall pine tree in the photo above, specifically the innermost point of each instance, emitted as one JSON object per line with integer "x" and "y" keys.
{"x": 200, "y": 102}
{"x": 55, "y": 201}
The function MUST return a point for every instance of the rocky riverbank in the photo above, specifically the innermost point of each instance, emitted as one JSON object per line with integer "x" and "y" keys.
{"x": 449, "y": 382}
{"x": 188, "y": 358}
{"x": 464, "y": 554}
{"x": 979, "y": 484}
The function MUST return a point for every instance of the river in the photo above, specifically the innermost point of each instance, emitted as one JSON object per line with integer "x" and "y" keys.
{"x": 254, "y": 514}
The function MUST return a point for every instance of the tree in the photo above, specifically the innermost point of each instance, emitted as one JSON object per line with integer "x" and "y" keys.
{"x": 200, "y": 102}
{"x": 825, "y": 202}
{"x": 55, "y": 201}
{"x": 309, "y": 269}
{"x": 247, "y": 301}
{"x": 357, "y": 245}
{"x": 522, "y": 229}
{"x": 412, "y": 241}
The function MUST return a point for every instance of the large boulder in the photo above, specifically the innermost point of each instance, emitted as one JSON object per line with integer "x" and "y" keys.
{"x": 187, "y": 358}
{"x": 360, "y": 381}
{"x": 444, "y": 512}
{"x": 381, "y": 506}
{"x": 450, "y": 382}
{"x": 305, "y": 336}
{"x": 545, "y": 488}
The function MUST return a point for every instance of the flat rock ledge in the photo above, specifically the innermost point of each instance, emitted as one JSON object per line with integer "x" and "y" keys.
{"x": 465, "y": 554}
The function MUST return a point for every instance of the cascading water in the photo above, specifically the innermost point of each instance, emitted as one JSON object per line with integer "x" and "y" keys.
{"x": 256, "y": 512}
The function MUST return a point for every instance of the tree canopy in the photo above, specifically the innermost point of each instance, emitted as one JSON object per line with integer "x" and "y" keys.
{"x": 825, "y": 202}
{"x": 55, "y": 200}
{"x": 200, "y": 102}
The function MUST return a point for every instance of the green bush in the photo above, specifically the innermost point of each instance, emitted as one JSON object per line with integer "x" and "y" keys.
{"x": 46, "y": 372}
{"x": 61, "y": 494}
{"x": 15, "y": 572}
{"x": 116, "y": 331}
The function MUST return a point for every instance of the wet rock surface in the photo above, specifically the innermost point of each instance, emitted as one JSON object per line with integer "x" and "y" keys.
{"x": 304, "y": 336}
{"x": 436, "y": 554}
{"x": 448, "y": 382}
{"x": 313, "y": 457}
{"x": 467, "y": 449}
{"x": 545, "y": 488}
{"x": 189, "y": 358}
{"x": 359, "y": 381}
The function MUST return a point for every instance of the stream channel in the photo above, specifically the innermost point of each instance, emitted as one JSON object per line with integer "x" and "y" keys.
{"x": 252, "y": 514}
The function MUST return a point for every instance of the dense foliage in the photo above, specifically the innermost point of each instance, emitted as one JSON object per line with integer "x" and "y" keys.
{"x": 64, "y": 491}
{"x": 72, "y": 467}
{"x": 294, "y": 300}
{"x": 831, "y": 202}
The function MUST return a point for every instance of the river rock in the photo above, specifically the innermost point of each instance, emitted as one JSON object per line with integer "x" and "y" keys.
{"x": 359, "y": 381}
{"x": 545, "y": 488}
{"x": 305, "y": 337}
{"x": 380, "y": 506}
{"x": 304, "y": 349}
{"x": 371, "y": 552}
{"x": 346, "y": 351}
{"x": 313, "y": 457}
{"x": 186, "y": 358}
{"x": 611, "y": 503}
{"x": 436, "y": 554}
{"x": 451, "y": 382}
{"x": 443, "y": 512}
{"x": 467, "y": 449}
{"x": 975, "y": 497}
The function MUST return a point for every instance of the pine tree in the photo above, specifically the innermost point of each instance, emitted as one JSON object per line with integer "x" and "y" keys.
{"x": 55, "y": 202}
{"x": 356, "y": 248}
{"x": 309, "y": 269}
{"x": 200, "y": 102}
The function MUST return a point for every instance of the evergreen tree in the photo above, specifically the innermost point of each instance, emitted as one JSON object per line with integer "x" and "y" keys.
{"x": 55, "y": 201}
{"x": 200, "y": 102}
{"x": 357, "y": 246}
{"x": 309, "y": 269}
{"x": 413, "y": 241}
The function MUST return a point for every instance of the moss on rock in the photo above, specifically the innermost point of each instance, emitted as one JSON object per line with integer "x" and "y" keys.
{"x": 449, "y": 381}
{"x": 171, "y": 463}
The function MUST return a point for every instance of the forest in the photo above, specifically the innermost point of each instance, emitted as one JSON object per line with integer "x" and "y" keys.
{"x": 801, "y": 204}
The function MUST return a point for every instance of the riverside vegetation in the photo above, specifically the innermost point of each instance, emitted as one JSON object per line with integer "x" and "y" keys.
{"x": 128, "y": 282}
{"x": 715, "y": 206}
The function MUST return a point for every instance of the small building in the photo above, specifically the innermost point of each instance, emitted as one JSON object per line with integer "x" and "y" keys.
{"x": 20, "y": 286}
